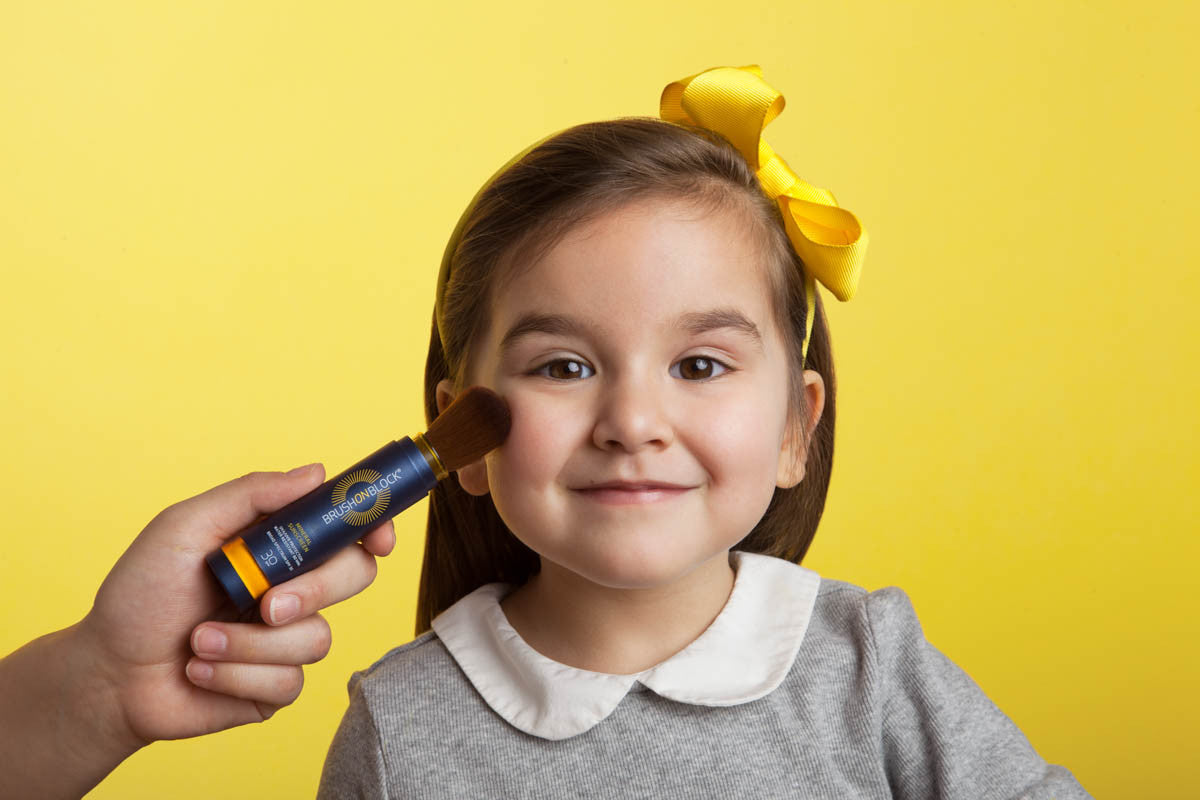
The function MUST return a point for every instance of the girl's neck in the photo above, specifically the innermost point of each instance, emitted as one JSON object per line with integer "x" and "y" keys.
{"x": 576, "y": 622}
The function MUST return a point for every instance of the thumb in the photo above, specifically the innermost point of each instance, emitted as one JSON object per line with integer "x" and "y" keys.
{"x": 228, "y": 508}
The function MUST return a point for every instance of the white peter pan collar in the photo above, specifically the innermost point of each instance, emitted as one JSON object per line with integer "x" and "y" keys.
{"x": 743, "y": 655}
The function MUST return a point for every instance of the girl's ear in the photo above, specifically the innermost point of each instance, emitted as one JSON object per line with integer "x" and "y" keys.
{"x": 472, "y": 477}
{"x": 793, "y": 456}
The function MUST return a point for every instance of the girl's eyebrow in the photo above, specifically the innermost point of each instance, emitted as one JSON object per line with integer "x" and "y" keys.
{"x": 692, "y": 322}
{"x": 698, "y": 322}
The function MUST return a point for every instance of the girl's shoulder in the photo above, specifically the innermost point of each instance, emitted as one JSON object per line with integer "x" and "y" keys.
{"x": 425, "y": 654}
{"x": 839, "y": 594}
{"x": 845, "y": 610}
{"x": 880, "y": 629}
{"x": 408, "y": 650}
{"x": 830, "y": 586}
{"x": 835, "y": 605}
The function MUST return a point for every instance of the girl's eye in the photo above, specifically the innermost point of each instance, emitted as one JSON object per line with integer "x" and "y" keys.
{"x": 563, "y": 369}
{"x": 698, "y": 368}
{"x": 701, "y": 368}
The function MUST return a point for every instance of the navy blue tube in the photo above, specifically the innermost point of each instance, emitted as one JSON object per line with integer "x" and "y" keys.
{"x": 308, "y": 531}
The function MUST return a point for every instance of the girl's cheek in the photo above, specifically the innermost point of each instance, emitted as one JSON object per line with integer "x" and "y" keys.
{"x": 739, "y": 419}
{"x": 741, "y": 436}
{"x": 541, "y": 435}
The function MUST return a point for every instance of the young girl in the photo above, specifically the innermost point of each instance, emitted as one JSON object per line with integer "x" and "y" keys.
{"x": 615, "y": 594}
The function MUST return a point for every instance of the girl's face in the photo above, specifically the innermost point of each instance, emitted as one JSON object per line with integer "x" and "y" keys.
{"x": 640, "y": 350}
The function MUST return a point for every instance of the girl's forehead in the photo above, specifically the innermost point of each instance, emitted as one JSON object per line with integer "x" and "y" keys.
{"x": 646, "y": 257}
{"x": 641, "y": 277}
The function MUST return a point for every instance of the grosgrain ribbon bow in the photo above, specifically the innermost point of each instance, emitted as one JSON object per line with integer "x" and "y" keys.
{"x": 737, "y": 103}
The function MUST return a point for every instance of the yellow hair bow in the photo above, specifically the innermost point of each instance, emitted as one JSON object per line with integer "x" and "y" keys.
{"x": 737, "y": 103}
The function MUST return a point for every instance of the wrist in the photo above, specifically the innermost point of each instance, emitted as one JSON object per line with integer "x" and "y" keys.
{"x": 98, "y": 686}
{"x": 63, "y": 729}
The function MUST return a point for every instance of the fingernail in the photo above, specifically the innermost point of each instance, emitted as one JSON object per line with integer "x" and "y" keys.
{"x": 211, "y": 641}
{"x": 199, "y": 671}
{"x": 284, "y": 607}
{"x": 298, "y": 470}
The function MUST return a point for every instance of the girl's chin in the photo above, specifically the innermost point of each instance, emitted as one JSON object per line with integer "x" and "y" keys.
{"x": 633, "y": 570}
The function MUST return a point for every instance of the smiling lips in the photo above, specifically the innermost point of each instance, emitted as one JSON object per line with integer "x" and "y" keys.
{"x": 632, "y": 492}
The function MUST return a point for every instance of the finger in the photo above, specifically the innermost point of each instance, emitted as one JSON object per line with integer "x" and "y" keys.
{"x": 346, "y": 574}
{"x": 305, "y": 641}
{"x": 273, "y": 685}
{"x": 381, "y": 540}
{"x": 221, "y": 711}
{"x": 235, "y": 504}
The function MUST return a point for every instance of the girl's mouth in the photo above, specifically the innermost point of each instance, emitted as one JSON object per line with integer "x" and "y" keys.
{"x": 632, "y": 495}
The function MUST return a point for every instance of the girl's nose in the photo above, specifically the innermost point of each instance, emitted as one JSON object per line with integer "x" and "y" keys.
{"x": 631, "y": 416}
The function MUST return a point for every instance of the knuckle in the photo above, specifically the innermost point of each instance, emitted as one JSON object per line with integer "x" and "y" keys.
{"x": 324, "y": 638}
{"x": 170, "y": 516}
{"x": 371, "y": 566}
{"x": 293, "y": 684}
{"x": 250, "y": 647}
{"x": 258, "y": 477}
{"x": 226, "y": 679}
{"x": 311, "y": 593}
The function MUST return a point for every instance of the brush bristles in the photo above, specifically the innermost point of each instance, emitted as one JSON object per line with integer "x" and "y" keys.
{"x": 476, "y": 422}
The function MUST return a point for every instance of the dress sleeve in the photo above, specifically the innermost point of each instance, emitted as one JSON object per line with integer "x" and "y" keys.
{"x": 942, "y": 736}
{"x": 354, "y": 766}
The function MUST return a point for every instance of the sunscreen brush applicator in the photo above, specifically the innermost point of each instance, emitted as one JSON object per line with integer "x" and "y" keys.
{"x": 309, "y": 530}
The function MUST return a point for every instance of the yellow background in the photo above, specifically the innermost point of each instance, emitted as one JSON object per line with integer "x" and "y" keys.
{"x": 220, "y": 225}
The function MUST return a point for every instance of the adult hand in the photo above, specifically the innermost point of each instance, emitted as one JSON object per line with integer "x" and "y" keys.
{"x": 163, "y": 654}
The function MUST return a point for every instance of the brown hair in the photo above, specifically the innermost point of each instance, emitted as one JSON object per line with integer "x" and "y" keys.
{"x": 568, "y": 179}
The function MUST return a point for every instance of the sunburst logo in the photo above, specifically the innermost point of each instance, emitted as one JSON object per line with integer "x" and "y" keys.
{"x": 347, "y": 490}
